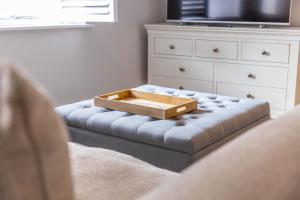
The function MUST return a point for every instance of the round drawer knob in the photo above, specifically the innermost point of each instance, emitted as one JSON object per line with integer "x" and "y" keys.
{"x": 172, "y": 46}
{"x": 182, "y": 69}
{"x": 251, "y": 76}
{"x": 216, "y": 50}
{"x": 181, "y": 88}
{"x": 265, "y": 53}
{"x": 250, "y": 96}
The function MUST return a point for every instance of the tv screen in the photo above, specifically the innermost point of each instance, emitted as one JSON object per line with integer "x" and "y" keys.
{"x": 230, "y": 11}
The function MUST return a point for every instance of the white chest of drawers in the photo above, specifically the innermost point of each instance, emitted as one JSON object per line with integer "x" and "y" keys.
{"x": 243, "y": 62}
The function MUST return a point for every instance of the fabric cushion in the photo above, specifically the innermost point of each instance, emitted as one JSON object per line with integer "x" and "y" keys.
{"x": 34, "y": 162}
{"x": 262, "y": 164}
{"x": 216, "y": 118}
{"x": 101, "y": 174}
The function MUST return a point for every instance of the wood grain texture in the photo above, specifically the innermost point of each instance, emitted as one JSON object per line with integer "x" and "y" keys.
{"x": 148, "y": 104}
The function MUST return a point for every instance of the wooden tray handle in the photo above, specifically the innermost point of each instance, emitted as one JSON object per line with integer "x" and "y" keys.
{"x": 181, "y": 109}
{"x": 113, "y": 97}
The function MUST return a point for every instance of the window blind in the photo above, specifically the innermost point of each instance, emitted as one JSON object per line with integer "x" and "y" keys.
{"x": 19, "y": 12}
{"x": 89, "y": 10}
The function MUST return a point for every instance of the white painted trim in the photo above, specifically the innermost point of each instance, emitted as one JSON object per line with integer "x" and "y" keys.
{"x": 278, "y": 30}
{"x": 43, "y": 27}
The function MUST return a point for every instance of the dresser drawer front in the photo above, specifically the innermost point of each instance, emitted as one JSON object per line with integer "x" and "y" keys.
{"x": 265, "y": 52}
{"x": 275, "y": 77}
{"x": 276, "y": 97}
{"x": 217, "y": 49}
{"x": 184, "y": 69}
{"x": 184, "y": 84}
{"x": 174, "y": 46}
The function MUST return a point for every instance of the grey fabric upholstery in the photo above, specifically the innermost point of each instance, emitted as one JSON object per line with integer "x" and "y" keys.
{"x": 262, "y": 164}
{"x": 163, "y": 158}
{"x": 158, "y": 156}
{"x": 34, "y": 157}
{"x": 216, "y": 118}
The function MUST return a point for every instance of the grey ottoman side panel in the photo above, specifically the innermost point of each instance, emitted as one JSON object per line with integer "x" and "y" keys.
{"x": 160, "y": 157}
{"x": 163, "y": 158}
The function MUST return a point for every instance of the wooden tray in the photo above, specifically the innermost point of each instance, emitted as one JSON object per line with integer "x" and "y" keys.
{"x": 143, "y": 103}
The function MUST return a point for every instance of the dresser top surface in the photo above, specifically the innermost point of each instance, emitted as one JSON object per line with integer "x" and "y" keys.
{"x": 290, "y": 30}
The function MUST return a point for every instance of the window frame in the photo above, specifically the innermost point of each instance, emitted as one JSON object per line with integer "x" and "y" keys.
{"x": 34, "y": 22}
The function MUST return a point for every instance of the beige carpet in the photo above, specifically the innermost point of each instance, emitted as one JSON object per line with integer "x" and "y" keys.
{"x": 101, "y": 174}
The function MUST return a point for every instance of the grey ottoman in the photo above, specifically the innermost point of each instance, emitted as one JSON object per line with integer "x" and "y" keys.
{"x": 171, "y": 144}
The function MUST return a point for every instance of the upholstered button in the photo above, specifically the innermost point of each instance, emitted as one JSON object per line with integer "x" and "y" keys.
{"x": 190, "y": 94}
{"x": 235, "y": 100}
{"x": 170, "y": 91}
{"x": 178, "y": 117}
{"x": 212, "y": 97}
{"x": 217, "y": 101}
{"x": 86, "y": 106}
{"x": 103, "y": 110}
{"x": 180, "y": 123}
{"x": 206, "y": 110}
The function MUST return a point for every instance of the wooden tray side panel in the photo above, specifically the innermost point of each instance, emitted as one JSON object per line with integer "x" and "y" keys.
{"x": 121, "y": 95}
{"x": 159, "y": 98}
{"x": 181, "y": 109}
{"x": 130, "y": 108}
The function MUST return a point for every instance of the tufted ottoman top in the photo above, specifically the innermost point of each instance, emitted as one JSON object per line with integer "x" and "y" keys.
{"x": 216, "y": 118}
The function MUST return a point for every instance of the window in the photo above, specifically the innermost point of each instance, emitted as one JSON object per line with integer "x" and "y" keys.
{"x": 56, "y": 11}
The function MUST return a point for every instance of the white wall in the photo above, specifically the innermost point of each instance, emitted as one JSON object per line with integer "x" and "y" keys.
{"x": 296, "y": 13}
{"x": 77, "y": 64}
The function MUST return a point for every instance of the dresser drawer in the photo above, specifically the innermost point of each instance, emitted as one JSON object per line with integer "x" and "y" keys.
{"x": 251, "y": 75}
{"x": 184, "y": 84}
{"x": 276, "y": 97}
{"x": 217, "y": 49}
{"x": 174, "y": 46}
{"x": 184, "y": 68}
{"x": 265, "y": 52}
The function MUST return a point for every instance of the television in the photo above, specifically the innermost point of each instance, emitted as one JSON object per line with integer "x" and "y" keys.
{"x": 260, "y": 12}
